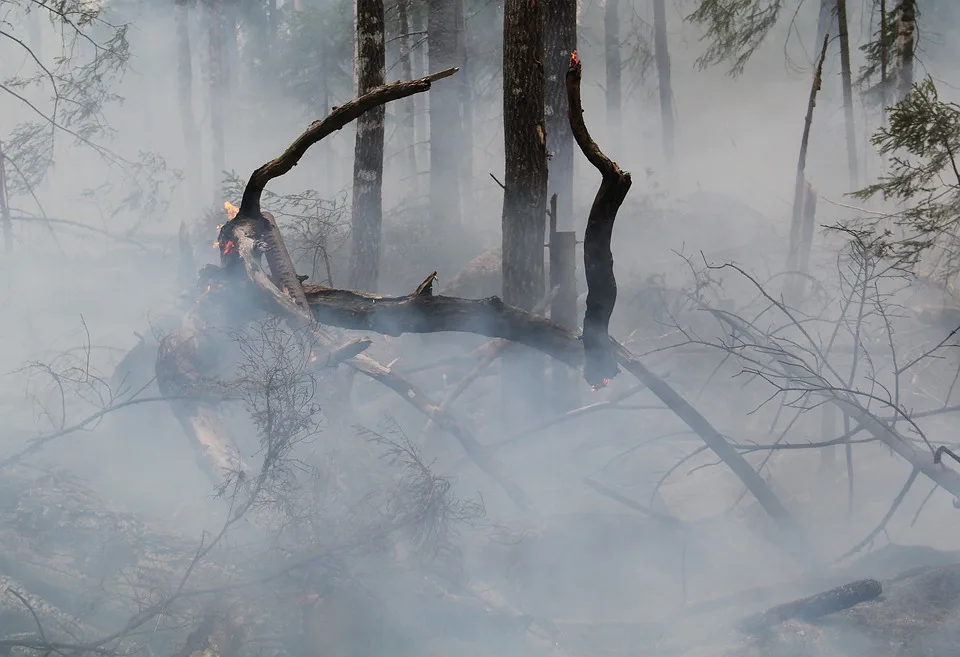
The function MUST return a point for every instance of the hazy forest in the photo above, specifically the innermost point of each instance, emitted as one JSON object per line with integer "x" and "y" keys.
{"x": 421, "y": 328}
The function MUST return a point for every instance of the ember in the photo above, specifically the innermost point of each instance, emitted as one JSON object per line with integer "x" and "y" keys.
{"x": 574, "y": 59}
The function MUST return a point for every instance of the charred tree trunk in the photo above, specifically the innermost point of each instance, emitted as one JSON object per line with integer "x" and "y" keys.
{"x": 560, "y": 37}
{"x": 563, "y": 308}
{"x": 188, "y": 125}
{"x": 525, "y": 180}
{"x": 847, "y": 81}
{"x": 409, "y": 104}
{"x": 465, "y": 92}
{"x": 611, "y": 39}
{"x": 662, "y": 57}
{"x": 368, "y": 153}
{"x": 215, "y": 22}
{"x": 444, "y": 121}
{"x": 906, "y": 44}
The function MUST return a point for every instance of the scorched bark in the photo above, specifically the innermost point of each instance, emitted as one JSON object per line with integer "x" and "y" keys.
{"x": 368, "y": 153}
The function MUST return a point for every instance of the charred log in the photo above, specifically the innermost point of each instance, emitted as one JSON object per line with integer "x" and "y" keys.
{"x": 808, "y": 609}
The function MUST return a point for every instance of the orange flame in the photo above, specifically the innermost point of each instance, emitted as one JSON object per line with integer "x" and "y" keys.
{"x": 229, "y": 247}
{"x": 574, "y": 59}
{"x": 232, "y": 210}
{"x": 602, "y": 384}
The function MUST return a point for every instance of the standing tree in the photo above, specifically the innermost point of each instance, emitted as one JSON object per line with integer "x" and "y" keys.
{"x": 906, "y": 44}
{"x": 662, "y": 56}
{"x": 444, "y": 120}
{"x": 847, "y": 81}
{"x": 368, "y": 153}
{"x": 216, "y": 89}
{"x": 188, "y": 125}
{"x": 525, "y": 172}
{"x": 611, "y": 40}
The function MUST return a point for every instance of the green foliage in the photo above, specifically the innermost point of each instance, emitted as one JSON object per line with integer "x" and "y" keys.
{"x": 734, "y": 29}
{"x": 873, "y": 50}
{"x": 922, "y": 139}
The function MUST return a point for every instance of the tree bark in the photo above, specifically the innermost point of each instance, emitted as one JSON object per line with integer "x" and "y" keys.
{"x": 217, "y": 99}
{"x": 560, "y": 38}
{"x": 188, "y": 125}
{"x": 524, "y": 215}
{"x": 847, "y": 80}
{"x": 368, "y": 153}
{"x": 611, "y": 39}
{"x": 465, "y": 93}
{"x": 665, "y": 86}
{"x": 906, "y": 44}
{"x": 444, "y": 122}
{"x": 409, "y": 105}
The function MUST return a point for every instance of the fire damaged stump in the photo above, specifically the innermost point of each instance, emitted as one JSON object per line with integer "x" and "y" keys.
{"x": 600, "y": 361}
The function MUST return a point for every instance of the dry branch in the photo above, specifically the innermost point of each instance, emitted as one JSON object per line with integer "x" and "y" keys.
{"x": 600, "y": 363}
{"x": 339, "y": 117}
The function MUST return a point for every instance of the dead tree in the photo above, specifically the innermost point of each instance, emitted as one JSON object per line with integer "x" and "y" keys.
{"x": 847, "y": 81}
{"x": 661, "y": 53}
{"x": 906, "y": 45}
{"x": 239, "y": 286}
{"x": 614, "y": 65}
{"x": 445, "y": 206}
{"x": 600, "y": 363}
{"x": 216, "y": 90}
{"x": 524, "y": 215}
{"x": 795, "y": 220}
{"x": 560, "y": 40}
{"x": 5, "y": 224}
{"x": 188, "y": 125}
{"x": 409, "y": 104}
{"x": 368, "y": 152}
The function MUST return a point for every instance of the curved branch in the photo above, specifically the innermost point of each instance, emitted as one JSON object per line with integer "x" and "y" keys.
{"x": 600, "y": 361}
{"x": 339, "y": 117}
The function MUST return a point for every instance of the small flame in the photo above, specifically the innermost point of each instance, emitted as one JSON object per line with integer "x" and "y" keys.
{"x": 232, "y": 210}
{"x": 574, "y": 59}
{"x": 229, "y": 247}
{"x": 603, "y": 384}
{"x": 216, "y": 245}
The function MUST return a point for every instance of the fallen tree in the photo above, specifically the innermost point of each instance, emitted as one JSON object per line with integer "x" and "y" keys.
{"x": 187, "y": 360}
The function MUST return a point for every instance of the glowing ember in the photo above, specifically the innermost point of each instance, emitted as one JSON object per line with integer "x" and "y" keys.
{"x": 229, "y": 247}
{"x": 232, "y": 210}
{"x": 574, "y": 59}
{"x": 603, "y": 384}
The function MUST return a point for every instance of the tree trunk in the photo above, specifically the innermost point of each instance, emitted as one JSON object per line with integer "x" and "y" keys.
{"x": 465, "y": 92}
{"x": 5, "y": 224}
{"x": 409, "y": 137}
{"x": 525, "y": 182}
{"x": 662, "y": 56}
{"x": 906, "y": 43}
{"x": 418, "y": 58}
{"x": 847, "y": 94}
{"x": 611, "y": 30}
{"x": 560, "y": 38}
{"x": 368, "y": 153}
{"x": 188, "y": 125}
{"x": 217, "y": 100}
{"x": 444, "y": 121}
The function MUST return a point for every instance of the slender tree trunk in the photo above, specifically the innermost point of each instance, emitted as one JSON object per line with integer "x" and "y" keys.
{"x": 188, "y": 124}
{"x": 906, "y": 44}
{"x": 368, "y": 153}
{"x": 525, "y": 181}
{"x": 444, "y": 122}
{"x": 5, "y": 224}
{"x": 847, "y": 80}
{"x": 409, "y": 137}
{"x": 884, "y": 64}
{"x": 217, "y": 99}
{"x": 418, "y": 57}
{"x": 465, "y": 92}
{"x": 560, "y": 37}
{"x": 611, "y": 30}
{"x": 662, "y": 57}
{"x": 231, "y": 47}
